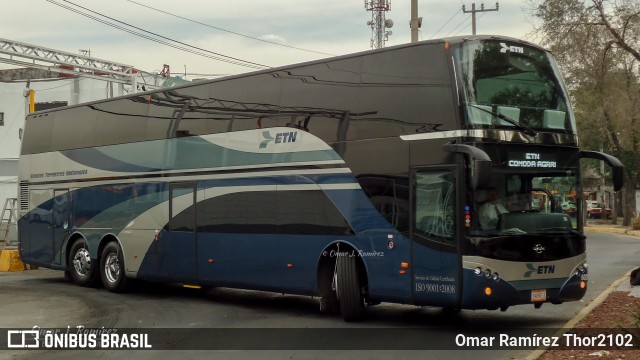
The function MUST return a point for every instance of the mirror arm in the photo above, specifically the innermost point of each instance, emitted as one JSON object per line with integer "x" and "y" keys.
{"x": 616, "y": 166}
{"x": 479, "y": 160}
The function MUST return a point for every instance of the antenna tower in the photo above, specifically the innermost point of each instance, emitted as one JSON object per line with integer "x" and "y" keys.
{"x": 378, "y": 23}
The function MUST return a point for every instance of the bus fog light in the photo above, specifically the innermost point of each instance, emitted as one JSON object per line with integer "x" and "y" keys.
{"x": 477, "y": 271}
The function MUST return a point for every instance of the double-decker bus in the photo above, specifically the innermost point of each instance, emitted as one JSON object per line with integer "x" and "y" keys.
{"x": 429, "y": 174}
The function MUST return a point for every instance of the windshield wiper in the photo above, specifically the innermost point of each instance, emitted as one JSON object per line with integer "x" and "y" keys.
{"x": 513, "y": 231}
{"x": 557, "y": 230}
{"x": 553, "y": 229}
{"x": 525, "y": 129}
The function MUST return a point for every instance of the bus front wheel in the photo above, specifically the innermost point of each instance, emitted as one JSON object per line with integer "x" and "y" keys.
{"x": 347, "y": 285}
{"x": 82, "y": 269}
{"x": 112, "y": 268}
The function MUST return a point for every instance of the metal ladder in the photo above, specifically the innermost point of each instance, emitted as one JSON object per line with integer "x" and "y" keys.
{"x": 9, "y": 217}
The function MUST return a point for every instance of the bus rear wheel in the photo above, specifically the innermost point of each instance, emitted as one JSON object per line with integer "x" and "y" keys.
{"x": 82, "y": 269}
{"x": 347, "y": 285}
{"x": 112, "y": 268}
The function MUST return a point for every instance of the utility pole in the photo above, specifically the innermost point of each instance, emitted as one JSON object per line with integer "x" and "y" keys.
{"x": 416, "y": 22}
{"x": 473, "y": 12}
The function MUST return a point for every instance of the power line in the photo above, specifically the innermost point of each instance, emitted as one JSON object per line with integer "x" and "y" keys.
{"x": 227, "y": 31}
{"x": 167, "y": 38}
{"x": 63, "y": 85}
{"x": 457, "y": 26}
{"x": 445, "y": 24}
{"x": 204, "y": 74}
{"x": 32, "y": 80}
{"x": 481, "y": 15}
{"x": 188, "y": 48}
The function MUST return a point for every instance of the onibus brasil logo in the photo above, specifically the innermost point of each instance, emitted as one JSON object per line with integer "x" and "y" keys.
{"x": 280, "y": 138}
{"x": 76, "y": 338}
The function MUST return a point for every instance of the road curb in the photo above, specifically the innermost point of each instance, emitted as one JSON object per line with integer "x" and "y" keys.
{"x": 583, "y": 313}
{"x": 612, "y": 230}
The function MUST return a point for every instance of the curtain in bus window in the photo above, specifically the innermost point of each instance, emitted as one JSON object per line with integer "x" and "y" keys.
{"x": 309, "y": 213}
{"x": 251, "y": 212}
{"x": 182, "y": 209}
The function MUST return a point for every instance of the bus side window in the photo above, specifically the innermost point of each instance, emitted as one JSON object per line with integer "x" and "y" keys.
{"x": 390, "y": 197}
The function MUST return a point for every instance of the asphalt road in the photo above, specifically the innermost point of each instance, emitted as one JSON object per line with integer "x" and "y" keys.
{"x": 43, "y": 298}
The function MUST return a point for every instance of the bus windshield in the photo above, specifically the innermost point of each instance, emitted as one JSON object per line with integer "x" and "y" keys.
{"x": 527, "y": 203}
{"x": 509, "y": 85}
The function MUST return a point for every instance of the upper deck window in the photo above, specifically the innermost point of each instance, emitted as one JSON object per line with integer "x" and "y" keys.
{"x": 507, "y": 84}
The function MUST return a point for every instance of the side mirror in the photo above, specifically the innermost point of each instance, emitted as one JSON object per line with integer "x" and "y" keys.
{"x": 616, "y": 166}
{"x": 480, "y": 163}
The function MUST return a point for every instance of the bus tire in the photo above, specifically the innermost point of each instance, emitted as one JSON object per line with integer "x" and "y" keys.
{"x": 82, "y": 269}
{"x": 112, "y": 269}
{"x": 348, "y": 289}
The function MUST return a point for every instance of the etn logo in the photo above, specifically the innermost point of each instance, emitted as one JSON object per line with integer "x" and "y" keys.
{"x": 280, "y": 138}
{"x": 514, "y": 49}
{"x": 541, "y": 269}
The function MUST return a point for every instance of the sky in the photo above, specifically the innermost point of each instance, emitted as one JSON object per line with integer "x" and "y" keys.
{"x": 309, "y": 29}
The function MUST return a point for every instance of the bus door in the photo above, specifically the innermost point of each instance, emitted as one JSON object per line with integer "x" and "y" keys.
{"x": 182, "y": 249}
{"x": 436, "y": 264}
{"x": 60, "y": 225}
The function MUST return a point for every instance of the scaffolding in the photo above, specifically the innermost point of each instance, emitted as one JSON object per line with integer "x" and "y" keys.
{"x": 62, "y": 62}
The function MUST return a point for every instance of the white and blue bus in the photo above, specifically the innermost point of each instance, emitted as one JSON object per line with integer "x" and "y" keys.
{"x": 359, "y": 179}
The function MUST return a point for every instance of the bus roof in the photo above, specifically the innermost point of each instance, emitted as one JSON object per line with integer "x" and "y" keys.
{"x": 450, "y": 40}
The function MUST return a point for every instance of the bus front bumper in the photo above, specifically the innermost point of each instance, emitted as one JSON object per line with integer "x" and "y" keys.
{"x": 480, "y": 292}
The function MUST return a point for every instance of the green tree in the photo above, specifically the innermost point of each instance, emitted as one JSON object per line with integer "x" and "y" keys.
{"x": 597, "y": 45}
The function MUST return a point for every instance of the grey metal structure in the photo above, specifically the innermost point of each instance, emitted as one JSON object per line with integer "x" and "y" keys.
{"x": 40, "y": 57}
{"x": 378, "y": 22}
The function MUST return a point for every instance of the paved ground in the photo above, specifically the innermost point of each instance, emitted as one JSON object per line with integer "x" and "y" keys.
{"x": 622, "y": 285}
{"x": 45, "y": 316}
{"x": 605, "y": 226}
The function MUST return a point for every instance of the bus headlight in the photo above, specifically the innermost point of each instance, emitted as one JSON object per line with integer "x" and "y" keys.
{"x": 477, "y": 271}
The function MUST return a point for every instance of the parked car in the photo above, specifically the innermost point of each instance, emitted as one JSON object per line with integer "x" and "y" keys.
{"x": 594, "y": 209}
{"x": 569, "y": 208}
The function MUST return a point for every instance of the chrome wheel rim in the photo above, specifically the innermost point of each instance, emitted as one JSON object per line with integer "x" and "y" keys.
{"x": 112, "y": 267}
{"x": 82, "y": 262}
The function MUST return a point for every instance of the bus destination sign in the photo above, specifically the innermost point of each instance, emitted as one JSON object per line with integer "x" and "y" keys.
{"x": 531, "y": 160}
